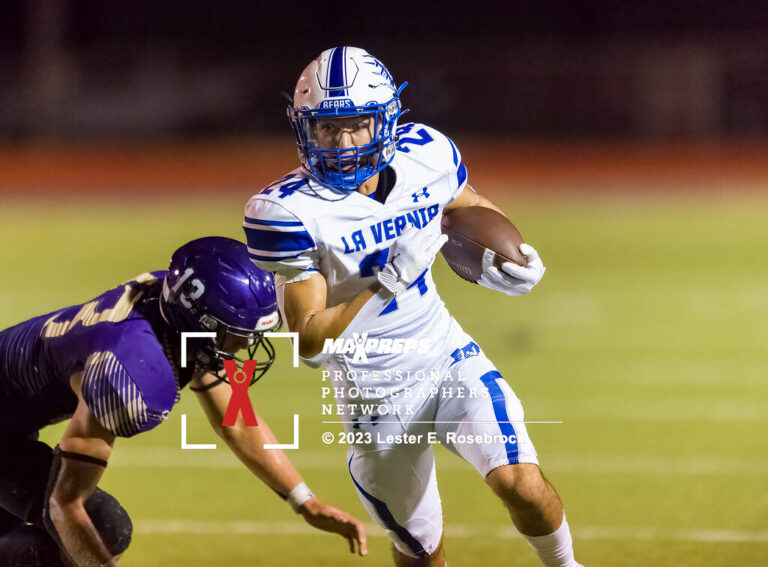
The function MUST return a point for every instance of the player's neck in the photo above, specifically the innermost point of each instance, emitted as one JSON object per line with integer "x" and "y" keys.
{"x": 369, "y": 185}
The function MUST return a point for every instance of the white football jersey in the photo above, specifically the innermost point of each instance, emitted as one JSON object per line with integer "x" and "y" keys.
{"x": 296, "y": 226}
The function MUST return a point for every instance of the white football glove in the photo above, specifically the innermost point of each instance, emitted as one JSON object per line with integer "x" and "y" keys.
{"x": 513, "y": 279}
{"x": 411, "y": 254}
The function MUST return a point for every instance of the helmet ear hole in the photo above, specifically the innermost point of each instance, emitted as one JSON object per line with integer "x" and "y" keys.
{"x": 208, "y": 322}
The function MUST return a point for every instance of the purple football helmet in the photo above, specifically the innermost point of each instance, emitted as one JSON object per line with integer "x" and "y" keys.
{"x": 212, "y": 286}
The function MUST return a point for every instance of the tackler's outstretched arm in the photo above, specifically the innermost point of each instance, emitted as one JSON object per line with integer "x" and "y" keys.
{"x": 273, "y": 466}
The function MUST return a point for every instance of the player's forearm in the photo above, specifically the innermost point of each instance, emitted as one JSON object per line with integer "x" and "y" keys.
{"x": 247, "y": 442}
{"x": 317, "y": 326}
{"x": 470, "y": 198}
{"x": 484, "y": 202}
{"x": 271, "y": 466}
{"x": 78, "y": 534}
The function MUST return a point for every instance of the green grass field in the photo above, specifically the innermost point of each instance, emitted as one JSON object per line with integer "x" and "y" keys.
{"x": 648, "y": 337}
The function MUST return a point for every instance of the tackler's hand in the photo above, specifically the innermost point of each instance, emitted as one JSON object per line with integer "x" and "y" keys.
{"x": 329, "y": 519}
{"x": 411, "y": 254}
{"x": 513, "y": 279}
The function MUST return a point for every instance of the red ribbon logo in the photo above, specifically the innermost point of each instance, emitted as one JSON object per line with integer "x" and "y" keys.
{"x": 239, "y": 380}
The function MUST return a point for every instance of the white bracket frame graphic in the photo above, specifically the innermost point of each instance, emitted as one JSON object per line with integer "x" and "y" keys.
{"x": 211, "y": 335}
{"x": 192, "y": 335}
{"x": 290, "y": 335}
{"x": 192, "y": 446}
{"x": 285, "y": 446}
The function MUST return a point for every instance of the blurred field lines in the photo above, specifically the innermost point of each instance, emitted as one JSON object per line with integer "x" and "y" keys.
{"x": 648, "y": 338}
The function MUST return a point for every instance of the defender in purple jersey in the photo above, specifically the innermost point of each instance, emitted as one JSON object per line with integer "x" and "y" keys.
{"x": 113, "y": 366}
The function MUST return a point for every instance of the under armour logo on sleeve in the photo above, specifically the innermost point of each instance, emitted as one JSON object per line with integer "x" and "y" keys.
{"x": 419, "y": 194}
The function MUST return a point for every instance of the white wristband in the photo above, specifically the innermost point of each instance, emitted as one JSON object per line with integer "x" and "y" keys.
{"x": 300, "y": 494}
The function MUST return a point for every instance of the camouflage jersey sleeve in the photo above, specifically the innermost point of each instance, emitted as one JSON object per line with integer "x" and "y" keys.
{"x": 129, "y": 386}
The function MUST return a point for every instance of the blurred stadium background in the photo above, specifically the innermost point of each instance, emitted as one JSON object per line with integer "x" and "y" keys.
{"x": 628, "y": 141}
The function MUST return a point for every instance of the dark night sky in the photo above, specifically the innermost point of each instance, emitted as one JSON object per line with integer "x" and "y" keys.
{"x": 587, "y": 62}
{"x": 237, "y": 24}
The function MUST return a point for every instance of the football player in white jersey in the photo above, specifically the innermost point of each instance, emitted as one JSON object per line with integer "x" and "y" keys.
{"x": 351, "y": 235}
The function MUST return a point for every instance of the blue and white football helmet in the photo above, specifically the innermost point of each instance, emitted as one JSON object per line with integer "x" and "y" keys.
{"x": 212, "y": 286}
{"x": 345, "y": 82}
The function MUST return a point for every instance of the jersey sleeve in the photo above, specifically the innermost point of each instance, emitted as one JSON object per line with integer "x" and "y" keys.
{"x": 458, "y": 173}
{"x": 120, "y": 402}
{"x": 278, "y": 241}
{"x": 434, "y": 149}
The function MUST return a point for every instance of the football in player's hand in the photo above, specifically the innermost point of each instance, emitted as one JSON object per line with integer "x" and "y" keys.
{"x": 475, "y": 233}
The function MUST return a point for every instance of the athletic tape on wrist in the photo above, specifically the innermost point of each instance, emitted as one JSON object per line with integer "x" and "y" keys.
{"x": 300, "y": 494}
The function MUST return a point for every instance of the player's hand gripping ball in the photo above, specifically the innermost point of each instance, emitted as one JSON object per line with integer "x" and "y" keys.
{"x": 522, "y": 279}
{"x": 484, "y": 247}
{"x": 411, "y": 254}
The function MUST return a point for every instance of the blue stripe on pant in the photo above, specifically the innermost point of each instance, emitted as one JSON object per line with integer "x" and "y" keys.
{"x": 500, "y": 411}
{"x": 389, "y": 520}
